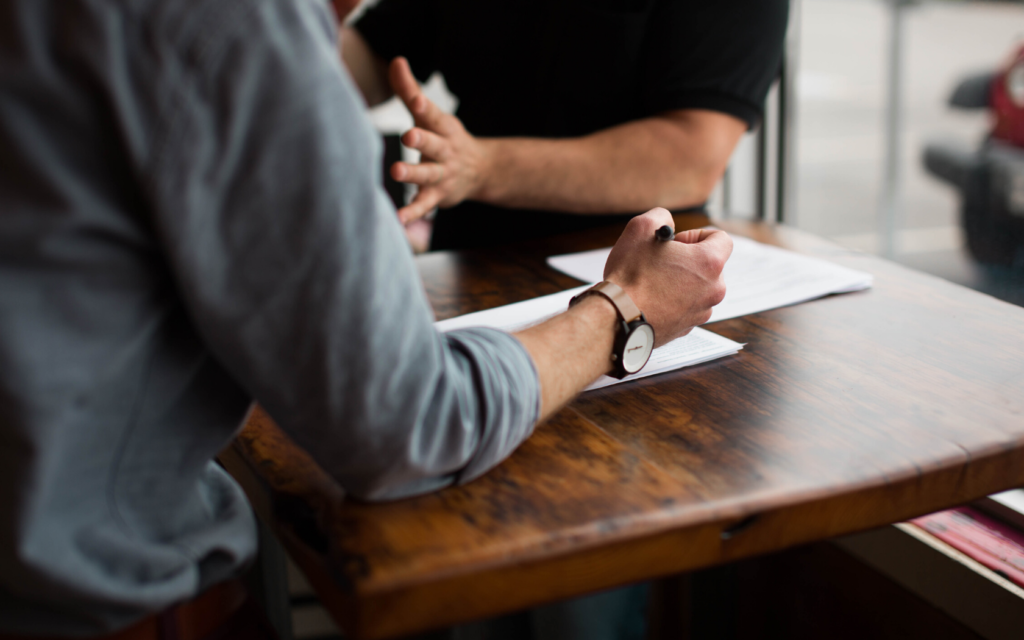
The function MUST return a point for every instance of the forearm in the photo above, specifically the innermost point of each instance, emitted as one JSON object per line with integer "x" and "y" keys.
{"x": 671, "y": 161}
{"x": 571, "y": 350}
{"x": 369, "y": 72}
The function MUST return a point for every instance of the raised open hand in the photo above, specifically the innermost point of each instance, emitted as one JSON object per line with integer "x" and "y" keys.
{"x": 453, "y": 162}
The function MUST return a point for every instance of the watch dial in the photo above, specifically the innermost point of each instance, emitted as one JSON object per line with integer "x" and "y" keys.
{"x": 638, "y": 348}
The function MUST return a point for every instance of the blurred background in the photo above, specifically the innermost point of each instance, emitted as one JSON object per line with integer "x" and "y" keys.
{"x": 842, "y": 101}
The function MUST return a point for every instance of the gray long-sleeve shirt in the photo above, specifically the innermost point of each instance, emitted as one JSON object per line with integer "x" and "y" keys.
{"x": 190, "y": 219}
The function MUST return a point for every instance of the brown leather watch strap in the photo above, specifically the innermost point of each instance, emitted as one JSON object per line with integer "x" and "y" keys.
{"x": 628, "y": 311}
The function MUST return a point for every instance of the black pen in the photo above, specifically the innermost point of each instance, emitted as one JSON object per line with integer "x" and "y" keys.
{"x": 664, "y": 233}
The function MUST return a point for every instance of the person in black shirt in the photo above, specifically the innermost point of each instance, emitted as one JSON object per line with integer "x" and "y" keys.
{"x": 567, "y": 107}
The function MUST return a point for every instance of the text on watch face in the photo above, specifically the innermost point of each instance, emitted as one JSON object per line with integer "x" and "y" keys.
{"x": 637, "y": 350}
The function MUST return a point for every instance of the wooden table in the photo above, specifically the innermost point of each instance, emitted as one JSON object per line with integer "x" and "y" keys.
{"x": 841, "y": 414}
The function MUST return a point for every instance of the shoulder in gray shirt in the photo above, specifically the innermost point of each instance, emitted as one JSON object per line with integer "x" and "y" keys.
{"x": 189, "y": 220}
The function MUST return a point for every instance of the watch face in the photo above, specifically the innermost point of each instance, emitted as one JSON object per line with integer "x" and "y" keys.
{"x": 638, "y": 348}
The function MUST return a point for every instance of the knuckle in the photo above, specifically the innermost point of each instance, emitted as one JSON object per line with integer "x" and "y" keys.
{"x": 717, "y": 264}
{"x": 726, "y": 250}
{"x": 645, "y": 223}
{"x": 636, "y": 224}
{"x": 658, "y": 216}
{"x": 718, "y": 293}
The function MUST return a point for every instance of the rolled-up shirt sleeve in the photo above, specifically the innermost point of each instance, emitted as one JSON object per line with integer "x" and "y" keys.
{"x": 293, "y": 267}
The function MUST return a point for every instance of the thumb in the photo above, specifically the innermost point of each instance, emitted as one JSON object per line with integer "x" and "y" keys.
{"x": 714, "y": 242}
{"x": 694, "y": 236}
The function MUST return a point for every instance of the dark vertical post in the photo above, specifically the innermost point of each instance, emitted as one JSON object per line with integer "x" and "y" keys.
{"x": 762, "y": 169}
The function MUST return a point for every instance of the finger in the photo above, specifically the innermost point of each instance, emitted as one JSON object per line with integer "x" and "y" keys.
{"x": 693, "y": 236}
{"x": 716, "y": 244}
{"x": 403, "y": 82}
{"x": 420, "y": 206}
{"x": 423, "y": 174}
{"x": 429, "y": 144}
{"x": 641, "y": 228}
{"x": 659, "y": 217}
{"x": 429, "y": 116}
{"x": 715, "y": 240}
{"x": 425, "y": 113}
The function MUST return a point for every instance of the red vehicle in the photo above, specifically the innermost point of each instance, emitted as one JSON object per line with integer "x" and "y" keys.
{"x": 991, "y": 178}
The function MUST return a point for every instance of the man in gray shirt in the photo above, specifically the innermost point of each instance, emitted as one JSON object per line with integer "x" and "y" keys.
{"x": 190, "y": 220}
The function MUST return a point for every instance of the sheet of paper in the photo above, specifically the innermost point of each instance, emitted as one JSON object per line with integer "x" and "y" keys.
{"x": 515, "y": 316}
{"x": 758, "y": 277}
{"x": 699, "y": 346}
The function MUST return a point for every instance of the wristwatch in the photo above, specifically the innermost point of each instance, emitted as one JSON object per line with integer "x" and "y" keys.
{"x": 634, "y": 339}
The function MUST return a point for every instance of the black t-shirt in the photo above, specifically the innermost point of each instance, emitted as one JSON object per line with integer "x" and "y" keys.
{"x": 563, "y": 68}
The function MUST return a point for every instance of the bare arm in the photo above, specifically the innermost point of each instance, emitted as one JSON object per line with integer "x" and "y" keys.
{"x": 369, "y": 71}
{"x": 571, "y": 350}
{"x": 672, "y": 160}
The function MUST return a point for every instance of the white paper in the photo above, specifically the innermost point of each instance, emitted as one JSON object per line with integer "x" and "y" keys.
{"x": 699, "y": 346}
{"x": 757, "y": 277}
{"x": 515, "y": 316}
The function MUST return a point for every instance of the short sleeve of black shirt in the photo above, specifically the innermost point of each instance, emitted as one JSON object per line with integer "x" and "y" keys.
{"x": 720, "y": 55}
{"x": 572, "y": 66}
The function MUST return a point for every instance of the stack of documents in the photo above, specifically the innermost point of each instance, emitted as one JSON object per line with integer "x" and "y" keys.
{"x": 757, "y": 277}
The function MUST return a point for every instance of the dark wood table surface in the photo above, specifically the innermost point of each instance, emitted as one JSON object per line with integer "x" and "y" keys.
{"x": 839, "y": 415}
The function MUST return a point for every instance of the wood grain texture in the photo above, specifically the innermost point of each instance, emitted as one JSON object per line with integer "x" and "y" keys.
{"x": 839, "y": 415}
